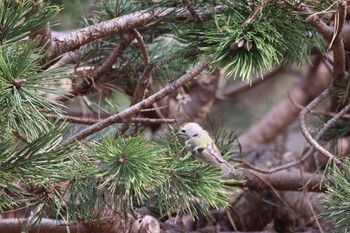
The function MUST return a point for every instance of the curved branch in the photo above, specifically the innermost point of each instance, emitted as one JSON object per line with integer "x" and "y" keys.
{"x": 331, "y": 122}
{"x": 142, "y": 46}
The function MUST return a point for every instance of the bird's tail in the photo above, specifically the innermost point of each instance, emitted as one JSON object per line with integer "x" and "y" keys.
{"x": 226, "y": 168}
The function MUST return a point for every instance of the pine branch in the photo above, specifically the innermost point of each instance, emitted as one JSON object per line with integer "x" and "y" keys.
{"x": 119, "y": 25}
{"x": 336, "y": 202}
{"x": 96, "y": 74}
{"x": 90, "y": 121}
{"x": 329, "y": 34}
{"x": 168, "y": 89}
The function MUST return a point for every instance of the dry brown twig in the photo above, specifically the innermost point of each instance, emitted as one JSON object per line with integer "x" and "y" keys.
{"x": 139, "y": 94}
{"x": 143, "y": 82}
{"x": 256, "y": 12}
{"x": 142, "y": 46}
{"x": 192, "y": 11}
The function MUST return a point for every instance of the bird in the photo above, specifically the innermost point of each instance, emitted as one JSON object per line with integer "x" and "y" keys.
{"x": 202, "y": 146}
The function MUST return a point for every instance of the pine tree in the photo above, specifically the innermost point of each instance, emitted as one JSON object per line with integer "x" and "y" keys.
{"x": 96, "y": 172}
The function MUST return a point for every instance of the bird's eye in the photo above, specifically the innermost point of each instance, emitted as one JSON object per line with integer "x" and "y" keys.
{"x": 183, "y": 130}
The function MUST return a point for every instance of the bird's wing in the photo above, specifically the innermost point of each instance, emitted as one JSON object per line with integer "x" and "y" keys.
{"x": 214, "y": 151}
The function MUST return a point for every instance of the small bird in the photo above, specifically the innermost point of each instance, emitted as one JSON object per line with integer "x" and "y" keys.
{"x": 202, "y": 146}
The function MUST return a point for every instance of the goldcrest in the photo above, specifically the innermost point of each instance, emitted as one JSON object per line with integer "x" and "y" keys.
{"x": 202, "y": 146}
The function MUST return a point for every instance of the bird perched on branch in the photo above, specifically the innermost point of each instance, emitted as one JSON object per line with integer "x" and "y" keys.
{"x": 202, "y": 146}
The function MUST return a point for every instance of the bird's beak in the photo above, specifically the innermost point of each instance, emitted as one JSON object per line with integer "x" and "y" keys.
{"x": 179, "y": 133}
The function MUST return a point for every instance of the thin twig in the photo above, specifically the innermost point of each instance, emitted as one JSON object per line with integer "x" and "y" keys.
{"x": 91, "y": 121}
{"x": 83, "y": 87}
{"x": 142, "y": 45}
{"x": 70, "y": 57}
{"x": 192, "y": 11}
{"x": 139, "y": 94}
{"x": 256, "y": 13}
{"x": 339, "y": 19}
{"x": 168, "y": 89}
{"x": 304, "y": 129}
{"x": 21, "y": 137}
{"x": 314, "y": 112}
{"x": 326, "y": 127}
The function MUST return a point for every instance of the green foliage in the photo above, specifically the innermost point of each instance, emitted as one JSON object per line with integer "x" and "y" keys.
{"x": 190, "y": 187}
{"x": 41, "y": 163}
{"x": 337, "y": 200}
{"x": 109, "y": 9}
{"x": 341, "y": 90}
{"x": 19, "y": 19}
{"x": 130, "y": 168}
{"x": 22, "y": 88}
{"x": 240, "y": 48}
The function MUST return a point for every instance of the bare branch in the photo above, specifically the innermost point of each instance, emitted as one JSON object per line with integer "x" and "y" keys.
{"x": 314, "y": 112}
{"x": 283, "y": 181}
{"x": 168, "y": 89}
{"x": 119, "y": 25}
{"x": 338, "y": 45}
{"x": 139, "y": 93}
{"x": 326, "y": 127}
{"x": 91, "y": 121}
{"x": 14, "y": 225}
{"x": 303, "y": 127}
{"x": 142, "y": 46}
